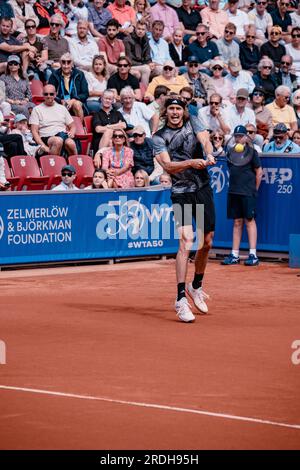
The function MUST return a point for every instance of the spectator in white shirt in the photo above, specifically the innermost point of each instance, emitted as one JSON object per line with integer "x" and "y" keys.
{"x": 240, "y": 114}
{"x": 213, "y": 117}
{"x": 82, "y": 47}
{"x": 262, "y": 20}
{"x": 136, "y": 113}
{"x": 239, "y": 78}
{"x": 237, "y": 17}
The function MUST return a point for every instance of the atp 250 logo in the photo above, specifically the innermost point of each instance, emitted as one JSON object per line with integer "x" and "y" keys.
{"x": 1, "y": 227}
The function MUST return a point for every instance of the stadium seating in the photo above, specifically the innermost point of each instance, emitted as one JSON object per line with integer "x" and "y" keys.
{"x": 51, "y": 166}
{"x": 36, "y": 87}
{"x": 14, "y": 180}
{"x": 84, "y": 136}
{"x": 84, "y": 169}
{"x": 27, "y": 169}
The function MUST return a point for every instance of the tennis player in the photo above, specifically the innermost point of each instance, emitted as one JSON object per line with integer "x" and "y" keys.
{"x": 244, "y": 182}
{"x": 178, "y": 148}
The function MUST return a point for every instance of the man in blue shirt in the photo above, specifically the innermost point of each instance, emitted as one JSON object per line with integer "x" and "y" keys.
{"x": 281, "y": 143}
{"x": 204, "y": 50}
{"x": 159, "y": 47}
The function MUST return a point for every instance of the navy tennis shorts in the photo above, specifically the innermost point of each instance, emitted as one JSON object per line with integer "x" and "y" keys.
{"x": 241, "y": 207}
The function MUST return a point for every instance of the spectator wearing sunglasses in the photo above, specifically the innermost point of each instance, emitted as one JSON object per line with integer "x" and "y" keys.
{"x": 281, "y": 142}
{"x": 169, "y": 78}
{"x": 282, "y": 18}
{"x": 213, "y": 117}
{"x": 228, "y": 48}
{"x": 143, "y": 155}
{"x": 34, "y": 63}
{"x": 44, "y": 10}
{"x": 265, "y": 78}
{"x": 68, "y": 175}
{"x": 217, "y": 139}
{"x": 222, "y": 86}
{"x": 52, "y": 126}
{"x": 249, "y": 52}
{"x": 56, "y": 44}
{"x": 293, "y": 50}
{"x": 71, "y": 86}
{"x": 273, "y": 49}
{"x": 284, "y": 76}
{"x": 264, "y": 123}
{"x": 200, "y": 82}
{"x": 202, "y": 48}
{"x": 262, "y": 20}
{"x": 123, "y": 78}
{"x": 281, "y": 111}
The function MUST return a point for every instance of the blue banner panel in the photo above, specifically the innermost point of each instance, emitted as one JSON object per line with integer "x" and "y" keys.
{"x": 278, "y": 204}
{"x": 55, "y": 226}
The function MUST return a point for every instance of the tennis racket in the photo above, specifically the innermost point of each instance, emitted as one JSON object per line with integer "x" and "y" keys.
{"x": 237, "y": 153}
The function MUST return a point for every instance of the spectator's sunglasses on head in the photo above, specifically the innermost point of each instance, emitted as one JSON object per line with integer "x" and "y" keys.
{"x": 168, "y": 68}
{"x": 56, "y": 25}
{"x": 66, "y": 62}
{"x": 30, "y": 26}
{"x": 48, "y": 93}
{"x": 201, "y": 33}
{"x": 136, "y": 134}
{"x": 123, "y": 65}
{"x": 67, "y": 173}
{"x": 118, "y": 136}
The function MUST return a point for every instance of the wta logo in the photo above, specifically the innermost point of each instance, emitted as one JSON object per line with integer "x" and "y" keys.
{"x": 218, "y": 179}
{"x": 1, "y": 227}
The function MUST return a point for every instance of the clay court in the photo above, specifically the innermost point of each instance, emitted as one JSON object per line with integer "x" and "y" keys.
{"x": 96, "y": 359}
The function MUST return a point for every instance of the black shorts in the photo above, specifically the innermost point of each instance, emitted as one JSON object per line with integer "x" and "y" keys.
{"x": 241, "y": 207}
{"x": 185, "y": 208}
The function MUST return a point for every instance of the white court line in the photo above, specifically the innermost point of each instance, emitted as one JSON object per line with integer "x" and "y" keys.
{"x": 153, "y": 406}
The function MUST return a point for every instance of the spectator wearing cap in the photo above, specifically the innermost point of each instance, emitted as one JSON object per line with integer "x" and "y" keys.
{"x": 244, "y": 182}
{"x": 168, "y": 15}
{"x": 281, "y": 143}
{"x": 265, "y": 78}
{"x": 281, "y": 111}
{"x": 238, "y": 17}
{"x": 273, "y": 49}
{"x": 239, "y": 78}
{"x": 169, "y": 78}
{"x": 215, "y": 18}
{"x": 136, "y": 113}
{"x": 214, "y": 116}
{"x": 228, "y": 48}
{"x": 143, "y": 154}
{"x": 68, "y": 175}
{"x": 71, "y": 86}
{"x": 240, "y": 113}
{"x": 9, "y": 45}
{"x": 17, "y": 88}
{"x": 21, "y": 128}
{"x": 222, "y": 86}
{"x": 262, "y": 20}
{"x": 264, "y": 123}
{"x": 200, "y": 82}
{"x": 284, "y": 76}
{"x": 249, "y": 52}
{"x": 52, "y": 125}
{"x": 23, "y": 11}
{"x": 202, "y": 48}
{"x": 189, "y": 19}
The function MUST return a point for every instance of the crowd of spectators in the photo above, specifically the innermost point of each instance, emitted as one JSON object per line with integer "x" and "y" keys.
{"x": 234, "y": 62}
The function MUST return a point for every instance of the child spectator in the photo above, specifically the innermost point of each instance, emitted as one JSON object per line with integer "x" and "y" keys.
{"x": 21, "y": 128}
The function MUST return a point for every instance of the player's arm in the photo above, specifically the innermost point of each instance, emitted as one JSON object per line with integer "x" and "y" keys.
{"x": 170, "y": 167}
{"x": 258, "y": 177}
{"x": 203, "y": 138}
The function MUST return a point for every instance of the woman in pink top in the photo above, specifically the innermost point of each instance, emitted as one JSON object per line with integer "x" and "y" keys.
{"x": 118, "y": 161}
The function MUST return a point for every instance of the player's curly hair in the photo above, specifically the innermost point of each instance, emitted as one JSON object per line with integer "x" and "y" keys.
{"x": 163, "y": 112}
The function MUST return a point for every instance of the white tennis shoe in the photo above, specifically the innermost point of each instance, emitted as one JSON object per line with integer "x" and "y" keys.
{"x": 199, "y": 297}
{"x": 184, "y": 311}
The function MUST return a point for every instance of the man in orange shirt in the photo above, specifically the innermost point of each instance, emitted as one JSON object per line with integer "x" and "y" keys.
{"x": 124, "y": 14}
